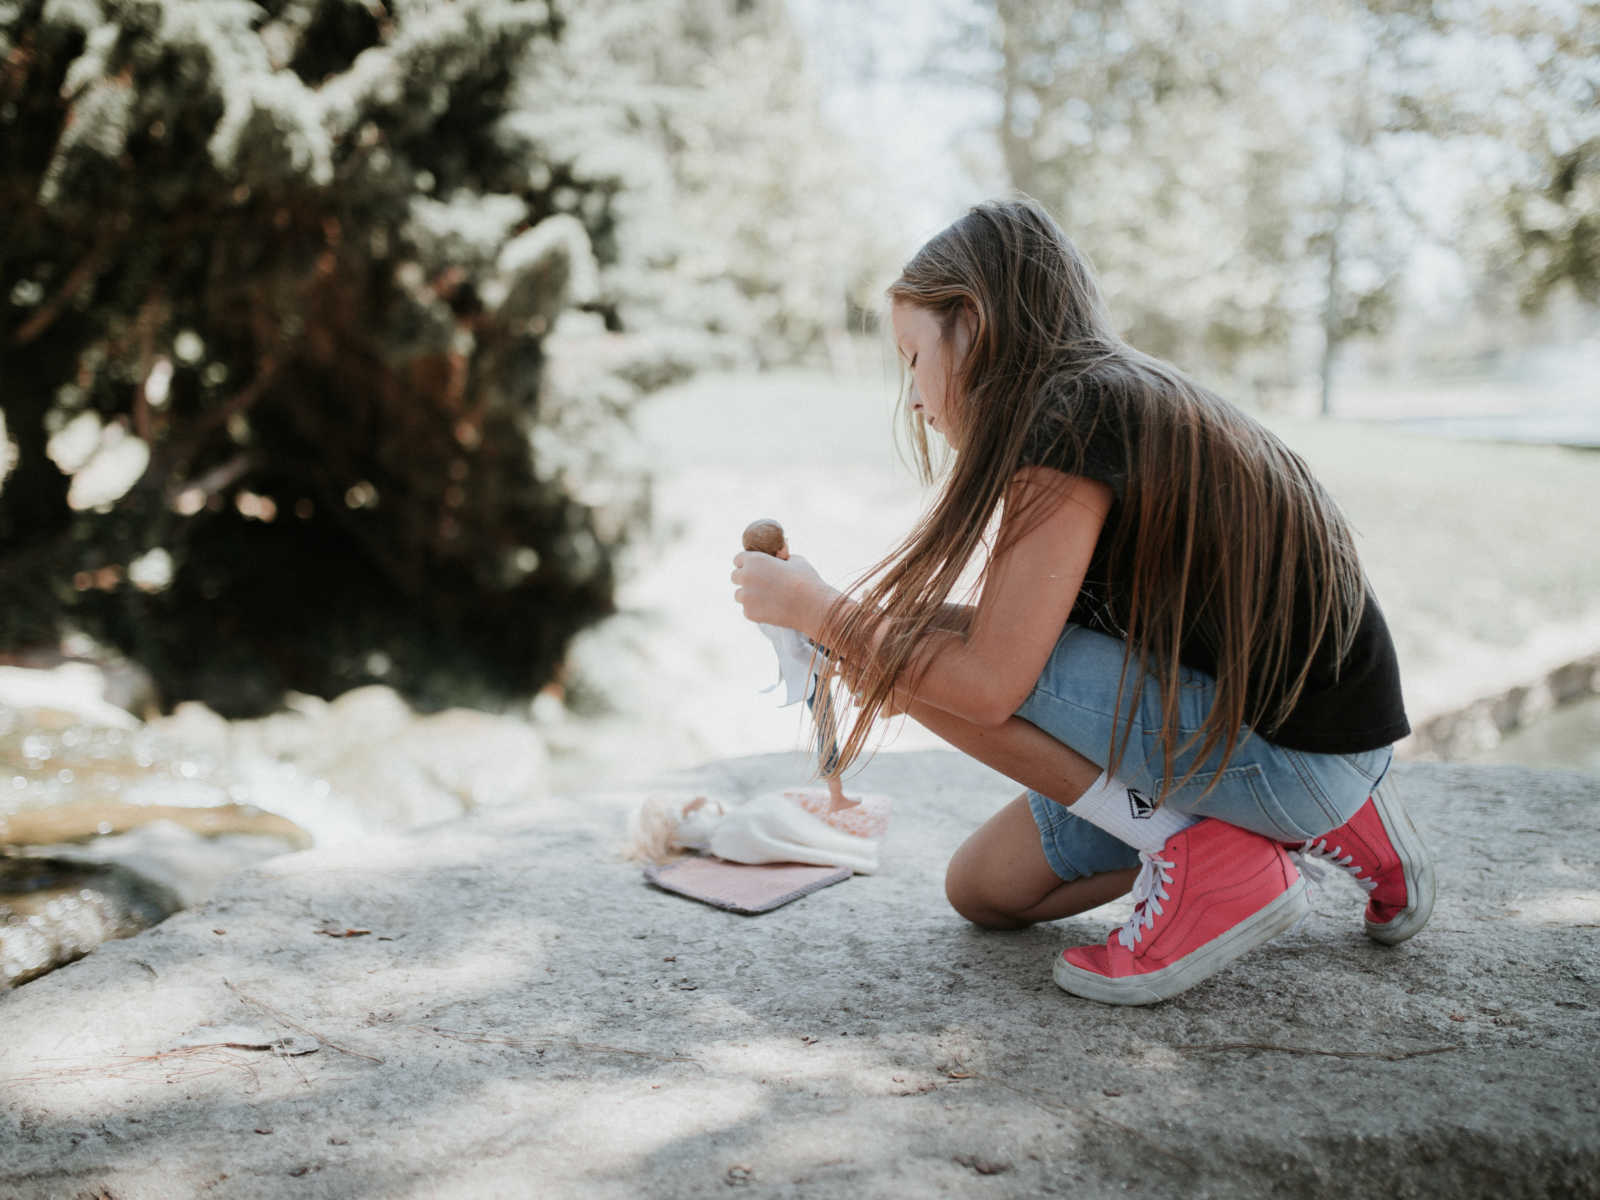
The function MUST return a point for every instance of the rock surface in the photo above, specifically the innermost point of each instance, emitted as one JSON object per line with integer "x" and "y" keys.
{"x": 390, "y": 767}
{"x": 504, "y": 1008}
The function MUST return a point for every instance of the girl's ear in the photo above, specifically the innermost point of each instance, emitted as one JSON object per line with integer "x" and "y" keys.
{"x": 965, "y": 331}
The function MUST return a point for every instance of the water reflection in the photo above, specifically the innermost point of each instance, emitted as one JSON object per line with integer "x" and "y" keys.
{"x": 104, "y": 832}
{"x": 190, "y": 798}
{"x": 1567, "y": 737}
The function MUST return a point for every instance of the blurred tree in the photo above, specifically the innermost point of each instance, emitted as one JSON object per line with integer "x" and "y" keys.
{"x": 1252, "y": 182}
{"x": 749, "y": 216}
{"x": 1157, "y": 136}
{"x": 319, "y": 326}
{"x": 1377, "y": 108}
{"x": 1552, "y": 211}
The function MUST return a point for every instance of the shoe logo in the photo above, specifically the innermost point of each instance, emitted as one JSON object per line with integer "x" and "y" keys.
{"x": 1140, "y": 806}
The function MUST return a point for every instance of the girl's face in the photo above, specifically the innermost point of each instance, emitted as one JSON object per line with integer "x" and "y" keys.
{"x": 932, "y": 361}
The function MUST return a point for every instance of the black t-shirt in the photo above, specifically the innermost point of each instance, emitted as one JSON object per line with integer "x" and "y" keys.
{"x": 1345, "y": 707}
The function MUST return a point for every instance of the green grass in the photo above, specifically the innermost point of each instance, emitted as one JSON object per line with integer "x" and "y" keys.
{"x": 1463, "y": 540}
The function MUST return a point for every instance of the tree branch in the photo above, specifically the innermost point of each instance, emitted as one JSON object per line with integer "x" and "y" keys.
{"x": 83, "y": 273}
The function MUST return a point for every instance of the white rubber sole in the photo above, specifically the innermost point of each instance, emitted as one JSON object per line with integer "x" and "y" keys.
{"x": 1201, "y": 963}
{"x": 1418, "y": 865}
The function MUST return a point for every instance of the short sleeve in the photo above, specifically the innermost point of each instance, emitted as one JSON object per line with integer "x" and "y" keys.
{"x": 1083, "y": 433}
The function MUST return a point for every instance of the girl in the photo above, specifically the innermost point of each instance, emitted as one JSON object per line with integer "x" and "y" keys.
{"x": 1173, "y": 648}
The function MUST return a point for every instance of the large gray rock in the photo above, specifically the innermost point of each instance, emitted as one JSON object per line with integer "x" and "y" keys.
{"x": 526, "y": 1017}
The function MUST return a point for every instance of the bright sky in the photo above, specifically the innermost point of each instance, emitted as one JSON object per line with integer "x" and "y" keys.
{"x": 867, "y": 58}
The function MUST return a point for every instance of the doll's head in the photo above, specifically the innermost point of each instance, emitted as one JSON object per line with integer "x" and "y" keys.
{"x": 666, "y": 826}
{"x": 765, "y": 536}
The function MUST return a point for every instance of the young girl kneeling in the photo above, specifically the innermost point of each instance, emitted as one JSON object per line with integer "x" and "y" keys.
{"x": 1174, "y": 647}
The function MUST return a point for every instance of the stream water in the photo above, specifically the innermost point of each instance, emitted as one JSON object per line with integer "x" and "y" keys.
{"x": 1567, "y": 738}
{"x": 108, "y": 825}
{"x": 106, "y": 830}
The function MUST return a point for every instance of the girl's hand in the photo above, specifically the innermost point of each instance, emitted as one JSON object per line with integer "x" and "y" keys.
{"x": 775, "y": 591}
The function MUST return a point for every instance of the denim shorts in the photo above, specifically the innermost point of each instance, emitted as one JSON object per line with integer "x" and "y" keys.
{"x": 1288, "y": 795}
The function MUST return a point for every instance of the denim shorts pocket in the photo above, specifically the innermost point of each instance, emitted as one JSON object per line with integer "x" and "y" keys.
{"x": 1371, "y": 765}
{"x": 1335, "y": 784}
{"x": 1242, "y": 797}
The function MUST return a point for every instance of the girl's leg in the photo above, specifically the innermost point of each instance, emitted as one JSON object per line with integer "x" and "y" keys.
{"x": 1017, "y": 749}
{"x": 1215, "y": 890}
{"x": 1000, "y": 877}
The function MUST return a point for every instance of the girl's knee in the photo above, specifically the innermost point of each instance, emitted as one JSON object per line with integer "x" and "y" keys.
{"x": 958, "y": 887}
{"x": 964, "y": 888}
{"x": 1000, "y": 872}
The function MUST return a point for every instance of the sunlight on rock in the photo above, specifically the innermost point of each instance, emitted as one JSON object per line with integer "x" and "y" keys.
{"x": 365, "y": 762}
{"x": 1576, "y": 908}
{"x": 825, "y": 1058}
{"x": 71, "y": 688}
{"x": 624, "y": 1119}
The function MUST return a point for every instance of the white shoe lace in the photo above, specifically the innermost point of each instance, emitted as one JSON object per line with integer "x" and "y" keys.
{"x": 1149, "y": 890}
{"x": 1318, "y": 848}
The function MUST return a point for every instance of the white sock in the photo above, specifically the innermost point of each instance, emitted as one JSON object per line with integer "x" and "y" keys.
{"x": 1128, "y": 815}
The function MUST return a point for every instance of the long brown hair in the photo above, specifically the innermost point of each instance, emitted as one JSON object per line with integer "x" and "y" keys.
{"x": 1220, "y": 532}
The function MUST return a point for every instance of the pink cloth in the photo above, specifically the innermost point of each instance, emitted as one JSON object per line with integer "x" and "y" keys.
{"x": 869, "y": 818}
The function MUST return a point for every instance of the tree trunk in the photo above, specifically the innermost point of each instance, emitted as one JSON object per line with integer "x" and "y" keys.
{"x": 33, "y": 499}
{"x": 1016, "y": 148}
{"x": 1333, "y": 301}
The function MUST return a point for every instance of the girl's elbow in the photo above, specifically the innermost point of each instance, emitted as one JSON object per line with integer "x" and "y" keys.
{"x": 990, "y": 718}
{"x": 994, "y": 709}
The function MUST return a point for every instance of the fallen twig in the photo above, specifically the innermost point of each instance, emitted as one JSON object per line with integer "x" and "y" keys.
{"x": 1385, "y": 1055}
{"x": 292, "y": 1024}
{"x": 278, "y": 1046}
{"x": 545, "y": 1043}
{"x": 125, "y": 1066}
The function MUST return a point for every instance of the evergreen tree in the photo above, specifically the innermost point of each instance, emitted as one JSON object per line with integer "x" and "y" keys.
{"x": 276, "y": 301}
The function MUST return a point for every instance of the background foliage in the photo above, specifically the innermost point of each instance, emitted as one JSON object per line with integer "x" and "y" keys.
{"x": 1257, "y": 182}
{"x": 320, "y": 320}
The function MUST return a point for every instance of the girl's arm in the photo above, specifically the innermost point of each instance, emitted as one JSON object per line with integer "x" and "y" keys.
{"x": 1031, "y": 584}
{"x": 956, "y": 618}
{"x": 984, "y": 674}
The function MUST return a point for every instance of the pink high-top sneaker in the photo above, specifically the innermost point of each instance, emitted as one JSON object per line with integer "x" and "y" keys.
{"x": 1379, "y": 847}
{"x": 1213, "y": 892}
